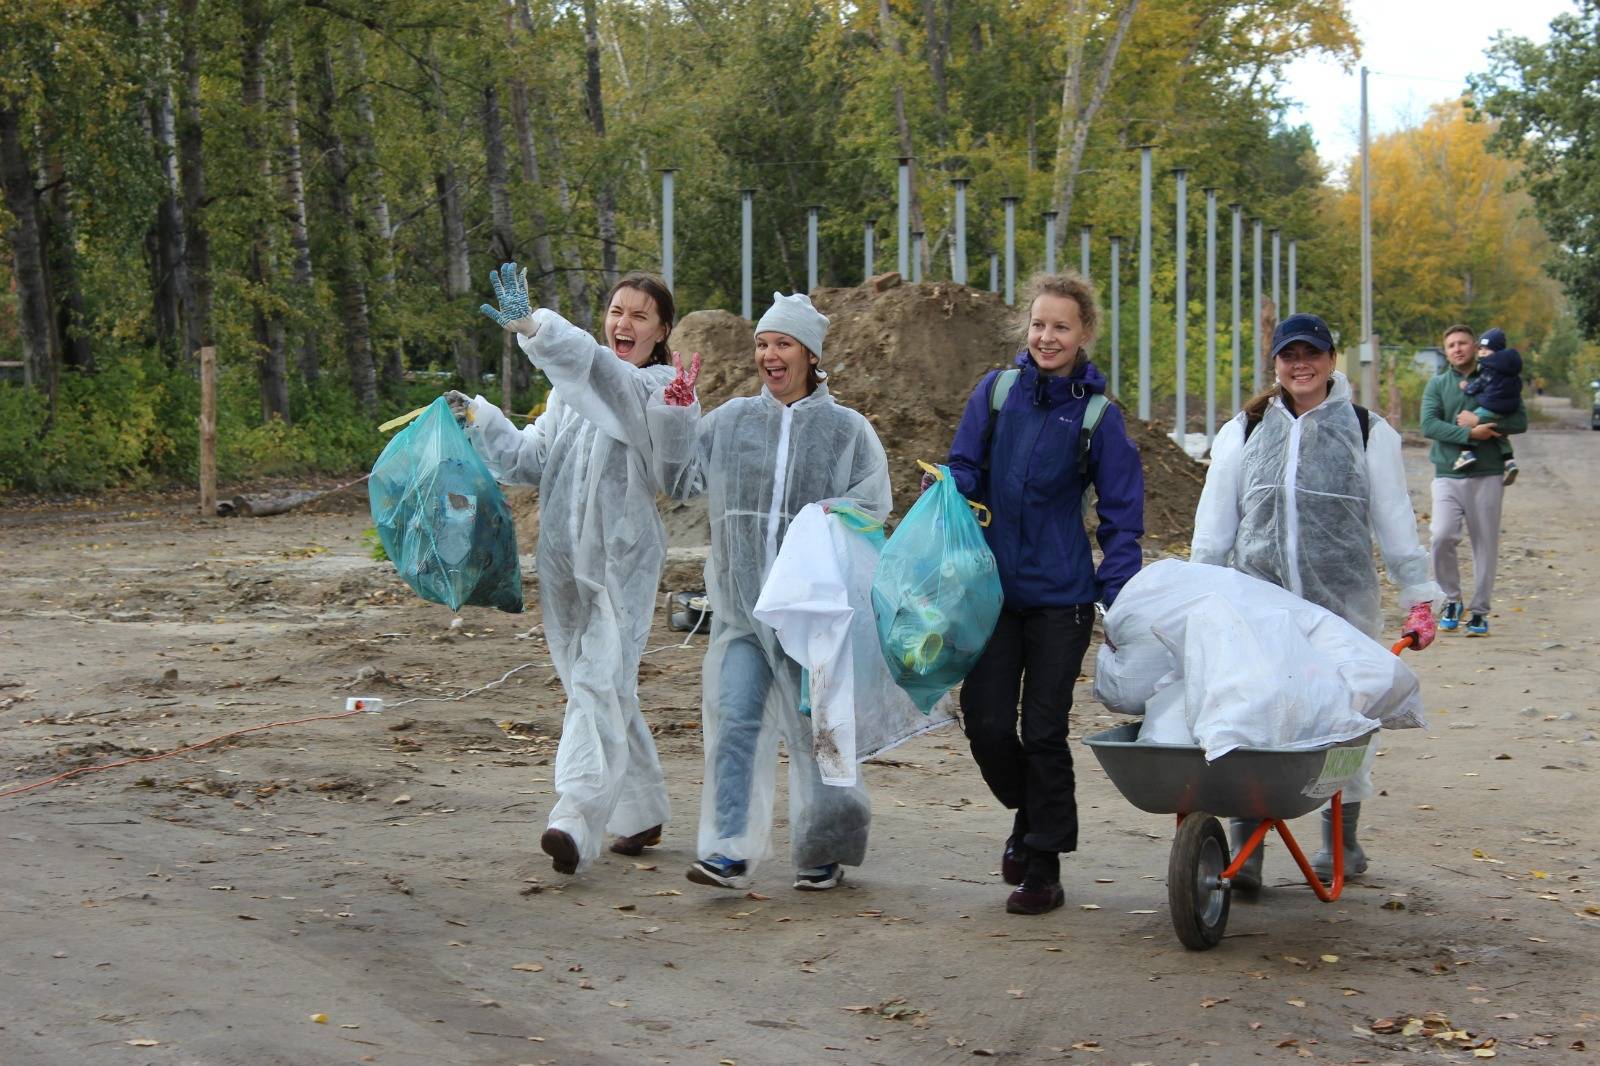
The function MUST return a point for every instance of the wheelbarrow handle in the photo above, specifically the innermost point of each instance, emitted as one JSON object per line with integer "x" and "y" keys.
{"x": 1405, "y": 643}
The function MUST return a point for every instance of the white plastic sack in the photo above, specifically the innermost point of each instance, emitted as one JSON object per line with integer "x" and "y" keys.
{"x": 1258, "y": 666}
{"x": 1127, "y": 675}
{"x": 818, "y": 599}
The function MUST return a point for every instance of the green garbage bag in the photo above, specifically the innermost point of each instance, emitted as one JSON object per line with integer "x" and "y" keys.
{"x": 936, "y": 596}
{"x": 442, "y": 519}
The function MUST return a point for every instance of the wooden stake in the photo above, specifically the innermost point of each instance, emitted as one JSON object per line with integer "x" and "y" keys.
{"x": 208, "y": 431}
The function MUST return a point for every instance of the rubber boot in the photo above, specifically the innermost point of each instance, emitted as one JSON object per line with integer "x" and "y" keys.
{"x": 1355, "y": 860}
{"x": 1248, "y": 879}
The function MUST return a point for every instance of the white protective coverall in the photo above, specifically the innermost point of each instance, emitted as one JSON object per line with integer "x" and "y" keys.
{"x": 1300, "y": 503}
{"x": 601, "y": 548}
{"x": 759, "y": 463}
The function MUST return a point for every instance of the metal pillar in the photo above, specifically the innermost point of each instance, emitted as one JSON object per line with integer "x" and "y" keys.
{"x": 994, "y": 272}
{"x": 1369, "y": 377}
{"x": 916, "y": 255}
{"x": 746, "y": 237}
{"x": 1234, "y": 399}
{"x": 1256, "y": 346}
{"x": 1083, "y": 250}
{"x": 903, "y": 229}
{"x": 813, "y": 213}
{"x": 1116, "y": 317}
{"x": 666, "y": 226}
{"x": 1050, "y": 241}
{"x": 1211, "y": 316}
{"x": 867, "y": 268}
{"x": 1277, "y": 286}
{"x": 1180, "y": 411}
{"x": 1293, "y": 282}
{"x": 1144, "y": 283}
{"x": 958, "y": 269}
{"x": 1011, "y": 249}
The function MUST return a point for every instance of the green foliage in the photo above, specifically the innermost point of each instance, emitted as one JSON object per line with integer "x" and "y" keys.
{"x": 1549, "y": 112}
{"x": 374, "y": 543}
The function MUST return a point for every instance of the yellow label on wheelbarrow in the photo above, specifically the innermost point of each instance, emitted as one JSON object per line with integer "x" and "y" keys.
{"x": 1339, "y": 767}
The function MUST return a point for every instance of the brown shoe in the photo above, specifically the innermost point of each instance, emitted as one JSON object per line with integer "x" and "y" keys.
{"x": 562, "y": 849}
{"x": 636, "y": 844}
{"x": 1036, "y": 897}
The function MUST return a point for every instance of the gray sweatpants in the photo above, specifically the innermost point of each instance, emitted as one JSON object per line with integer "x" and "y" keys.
{"x": 1473, "y": 502}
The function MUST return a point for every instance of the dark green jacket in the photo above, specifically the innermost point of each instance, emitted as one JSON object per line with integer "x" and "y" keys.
{"x": 1442, "y": 400}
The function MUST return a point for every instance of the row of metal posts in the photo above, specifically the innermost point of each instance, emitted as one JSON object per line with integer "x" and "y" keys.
{"x": 910, "y": 245}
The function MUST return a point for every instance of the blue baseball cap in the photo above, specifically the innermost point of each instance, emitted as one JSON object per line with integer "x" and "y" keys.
{"x": 1494, "y": 340}
{"x": 1302, "y": 327}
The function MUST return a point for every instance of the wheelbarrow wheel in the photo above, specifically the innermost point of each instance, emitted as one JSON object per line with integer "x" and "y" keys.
{"x": 1195, "y": 891}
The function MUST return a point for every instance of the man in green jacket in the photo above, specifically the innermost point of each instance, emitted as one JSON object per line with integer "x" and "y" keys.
{"x": 1468, "y": 497}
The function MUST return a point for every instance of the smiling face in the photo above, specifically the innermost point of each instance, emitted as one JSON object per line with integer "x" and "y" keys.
{"x": 782, "y": 364}
{"x": 1303, "y": 372}
{"x": 634, "y": 326}
{"x": 1461, "y": 350}
{"x": 1056, "y": 333}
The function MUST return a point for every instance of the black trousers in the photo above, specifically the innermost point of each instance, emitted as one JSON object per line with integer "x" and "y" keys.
{"x": 1035, "y": 655}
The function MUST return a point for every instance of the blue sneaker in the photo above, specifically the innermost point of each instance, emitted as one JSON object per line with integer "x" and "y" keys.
{"x": 1451, "y": 616}
{"x": 719, "y": 871}
{"x": 1477, "y": 626}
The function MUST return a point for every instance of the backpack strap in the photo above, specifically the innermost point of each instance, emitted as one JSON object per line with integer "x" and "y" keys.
{"x": 1092, "y": 414}
{"x": 1363, "y": 419}
{"x": 999, "y": 389}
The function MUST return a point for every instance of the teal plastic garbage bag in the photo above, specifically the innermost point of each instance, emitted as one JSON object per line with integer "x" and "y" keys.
{"x": 442, "y": 518}
{"x": 936, "y": 596}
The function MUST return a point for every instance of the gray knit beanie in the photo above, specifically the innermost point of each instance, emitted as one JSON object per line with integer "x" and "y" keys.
{"x": 795, "y": 316}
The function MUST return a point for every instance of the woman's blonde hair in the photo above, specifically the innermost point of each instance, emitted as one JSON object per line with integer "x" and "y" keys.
{"x": 1071, "y": 285}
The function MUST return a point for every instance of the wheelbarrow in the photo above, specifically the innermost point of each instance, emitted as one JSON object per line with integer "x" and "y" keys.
{"x": 1267, "y": 785}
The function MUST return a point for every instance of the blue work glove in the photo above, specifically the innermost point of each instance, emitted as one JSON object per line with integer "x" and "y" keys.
{"x": 511, "y": 291}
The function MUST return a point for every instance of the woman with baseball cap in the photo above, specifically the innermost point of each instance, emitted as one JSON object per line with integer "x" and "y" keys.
{"x": 1302, "y": 481}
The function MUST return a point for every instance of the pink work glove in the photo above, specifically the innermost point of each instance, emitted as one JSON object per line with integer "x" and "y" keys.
{"x": 680, "y": 393}
{"x": 1420, "y": 626}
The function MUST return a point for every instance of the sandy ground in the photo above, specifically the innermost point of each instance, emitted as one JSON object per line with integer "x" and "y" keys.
{"x": 383, "y": 871}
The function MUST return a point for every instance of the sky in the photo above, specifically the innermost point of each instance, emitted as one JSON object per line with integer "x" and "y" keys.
{"x": 1418, "y": 52}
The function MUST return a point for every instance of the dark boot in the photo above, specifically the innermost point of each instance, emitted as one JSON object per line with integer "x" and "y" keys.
{"x": 1014, "y": 861}
{"x": 1040, "y": 891}
{"x": 635, "y": 844}
{"x": 562, "y": 849}
{"x": 1355, "y": 860}
{"x": 1248, "y": 879}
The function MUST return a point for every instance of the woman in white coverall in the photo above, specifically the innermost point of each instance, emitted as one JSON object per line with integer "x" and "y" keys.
{"x": 601, "y": 548}
{"x": 759, "y": 460}
{"x": 1301, "y": 482}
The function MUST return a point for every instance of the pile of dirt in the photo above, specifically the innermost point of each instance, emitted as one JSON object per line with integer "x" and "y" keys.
{"x": 907, "y": 357}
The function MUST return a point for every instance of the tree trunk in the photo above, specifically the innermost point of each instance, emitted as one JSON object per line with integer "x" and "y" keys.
{"x": 529, "y": 153}
{"x": 168, "y": 270}
{"x": 197, "y": 295}
{"x": 349, "y": 276}
{"x": 66, "y": 291}
{"x": 447, "y": 189}
{"x": 26, "y": 237}
{"x": 294, "y": 186}
{"x": 271, "y": 368}
{"x": 1077, "y": 116}
{"x": 891, "y": 36}
{"x": 936, "y": 16}
{"x": 502, "y": 241}
{"x": 392, "y": 352}
{"x": 604, "y": 200}
{"x": 572, "y": 261}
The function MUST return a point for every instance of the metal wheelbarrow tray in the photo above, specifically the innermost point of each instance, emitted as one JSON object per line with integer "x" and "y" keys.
{"x": 1265, "y": 785}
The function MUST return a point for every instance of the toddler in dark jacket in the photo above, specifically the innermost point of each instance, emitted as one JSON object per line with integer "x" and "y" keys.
{"x": 1497, "y": 388}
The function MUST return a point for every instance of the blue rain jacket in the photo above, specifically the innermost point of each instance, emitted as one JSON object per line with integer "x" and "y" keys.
{"x": 1033, "y": 488}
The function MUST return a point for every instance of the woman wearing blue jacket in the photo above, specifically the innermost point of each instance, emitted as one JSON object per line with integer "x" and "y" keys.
{"x": 1022, "y": 450}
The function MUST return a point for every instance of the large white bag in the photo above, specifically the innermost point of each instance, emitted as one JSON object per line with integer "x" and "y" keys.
{"x": 1258, "y": 666}
{"x": 818, "y": 599}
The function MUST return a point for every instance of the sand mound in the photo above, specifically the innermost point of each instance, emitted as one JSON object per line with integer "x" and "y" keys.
{"x": 907, "y": 357}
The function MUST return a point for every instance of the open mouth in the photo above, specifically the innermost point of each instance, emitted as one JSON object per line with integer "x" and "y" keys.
{"x": 777, "y": 374}
{"x": 623, "y": 346}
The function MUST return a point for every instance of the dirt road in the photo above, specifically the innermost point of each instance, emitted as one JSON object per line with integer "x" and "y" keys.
{"x": 385, "y": 876}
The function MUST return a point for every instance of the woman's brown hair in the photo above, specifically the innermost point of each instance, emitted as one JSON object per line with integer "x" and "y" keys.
{"x": 1072, "y": 286}
{"x": 655, "y": 288}
{"x": 1256, "y": 406}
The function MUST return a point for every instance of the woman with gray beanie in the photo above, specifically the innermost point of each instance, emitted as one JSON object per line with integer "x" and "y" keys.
{"x": 759, "y": 460}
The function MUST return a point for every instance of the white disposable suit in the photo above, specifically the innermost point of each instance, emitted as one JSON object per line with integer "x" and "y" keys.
{"x": 601, "y": 547}
{"x": 1300, "y": 503}
{"x": 759, "y": 463}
